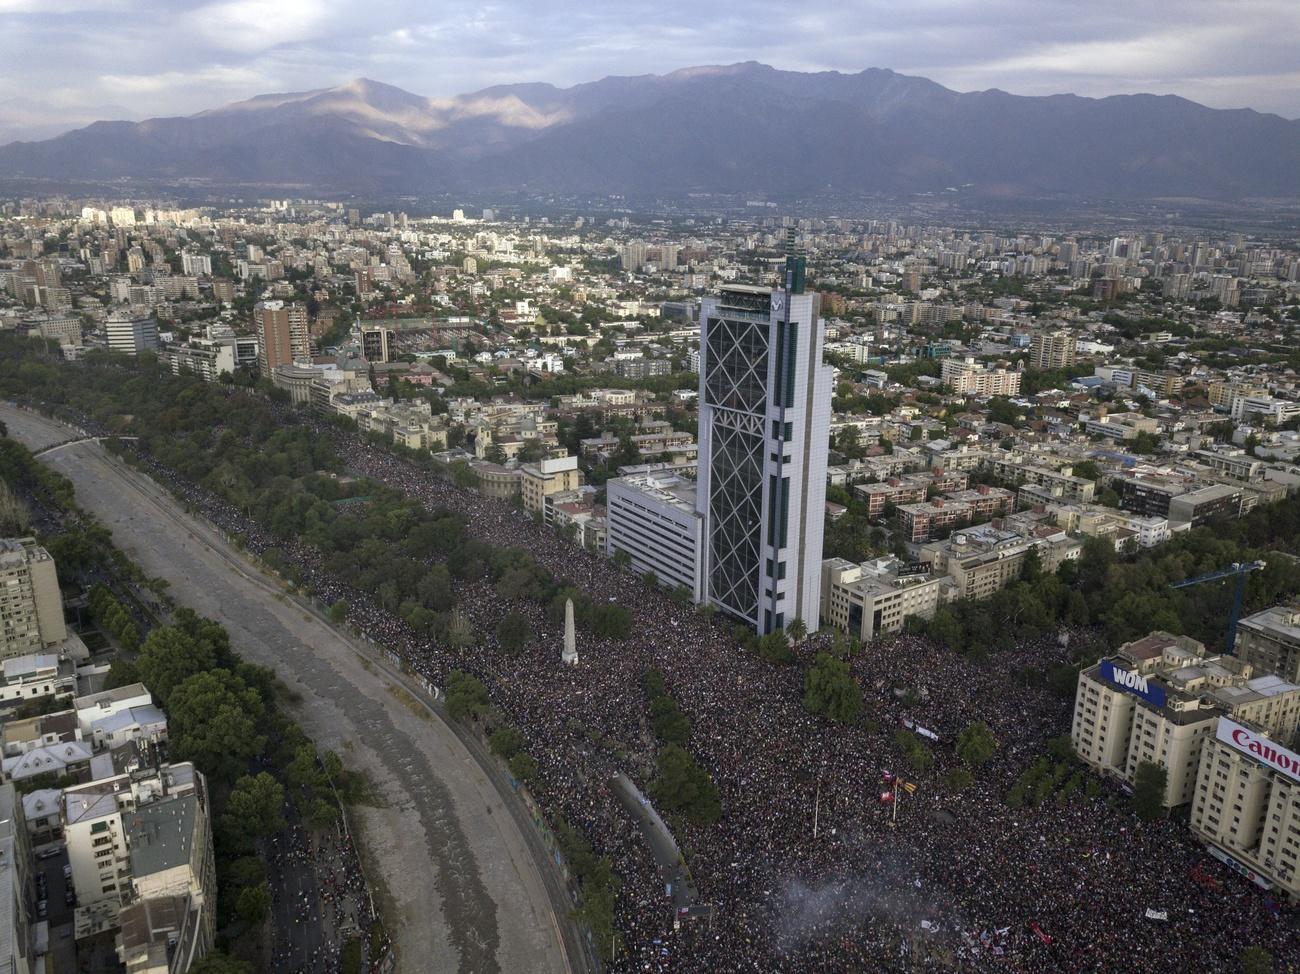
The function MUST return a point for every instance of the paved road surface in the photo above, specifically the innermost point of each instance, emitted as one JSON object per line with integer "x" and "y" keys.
{"x": 450, "y": 859}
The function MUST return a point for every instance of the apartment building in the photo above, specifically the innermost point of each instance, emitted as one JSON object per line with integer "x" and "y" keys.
{"x": 1231, "y": 463}
{"x": 983, "y": 559}
{"x": 36, "y": 676}
{"x": 65, "y": 329}
{"x": 131, "y": 334}
{"x": 203, "y": 357}
{"x": 909, "y": 489}
{"x": 1162, "y": 384}
{"x": 1266, "y": 409}
{"x": 1120, "y": 426}
{"x": 123, "y": 715}
{"x": 1061, "y": 484}
{"x": 1270, "y": 641}
{"x": 985, "y": 502}
{"x": 1052, "y": 350}
{"x": 921, "y": 522}
{"x": 169, "y": 920}
{"x": 410, "y": 423}
{"x": 98, "y": 821}
{"x": 17, "y": 906}
{"x": 378, "y": 344}
{"x": 1222, "y": 393}
{"x": 966, "y": 377}
{"x": 31, "y": 606}
{"x": 1159, "y": 698}
{"x": 879, "y": 596}
{"x": 1246, "y": 804}
{"x": 1205, "y": 504}
{"x": 285, "y": 339}
{"x": 575, "y": 511}
{"x": 1147, "y": 494}
{"x": 548, "y": 476}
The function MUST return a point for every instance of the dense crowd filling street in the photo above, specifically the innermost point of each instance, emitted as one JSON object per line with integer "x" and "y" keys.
{"x": 319, "y": 899}
{"x": 959, "y": 881}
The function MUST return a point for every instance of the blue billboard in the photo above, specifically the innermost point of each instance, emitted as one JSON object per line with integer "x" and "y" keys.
{"x": 1134, "y": 682}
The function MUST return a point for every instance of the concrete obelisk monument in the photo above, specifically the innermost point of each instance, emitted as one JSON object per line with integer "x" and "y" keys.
{"x": 570, "y": 654}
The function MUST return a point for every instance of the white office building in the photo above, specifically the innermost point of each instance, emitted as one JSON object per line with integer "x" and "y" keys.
{"x": 765, "y": 404}
{"x": 131, "y": 334}
{"x": 653, "y": 518}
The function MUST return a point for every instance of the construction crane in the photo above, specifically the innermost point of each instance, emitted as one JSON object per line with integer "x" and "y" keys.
{"x": 1239, "y": 570}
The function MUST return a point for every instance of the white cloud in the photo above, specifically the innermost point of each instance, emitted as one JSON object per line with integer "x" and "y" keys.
{"x": 250, "y": 26}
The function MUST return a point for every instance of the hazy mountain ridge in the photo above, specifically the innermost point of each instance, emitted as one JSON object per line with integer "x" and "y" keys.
{"x": 744, "y": 128}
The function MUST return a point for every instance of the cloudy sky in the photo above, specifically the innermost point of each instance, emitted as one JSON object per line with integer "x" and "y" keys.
{"x": 66, "y": 62}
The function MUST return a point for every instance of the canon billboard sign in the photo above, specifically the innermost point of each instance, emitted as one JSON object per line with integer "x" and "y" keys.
{"x": 1259, "y": 747}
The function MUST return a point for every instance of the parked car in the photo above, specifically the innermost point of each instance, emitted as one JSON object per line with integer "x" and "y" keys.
{"x": 67, "y": 870}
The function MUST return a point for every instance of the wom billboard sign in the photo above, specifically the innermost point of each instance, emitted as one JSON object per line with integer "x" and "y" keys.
{"x": 1134, "y": 682}
{"x": 1259, "y": 747}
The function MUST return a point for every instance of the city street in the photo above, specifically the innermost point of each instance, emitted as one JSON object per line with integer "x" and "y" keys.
{"x": 455, "y": 877}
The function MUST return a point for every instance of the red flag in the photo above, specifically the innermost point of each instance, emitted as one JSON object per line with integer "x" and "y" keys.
{"x": 886, "y": 796}
{"x": 1039, "y": 932}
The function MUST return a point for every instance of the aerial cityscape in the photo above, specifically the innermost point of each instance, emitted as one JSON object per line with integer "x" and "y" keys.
{"x": 725, "y": 518}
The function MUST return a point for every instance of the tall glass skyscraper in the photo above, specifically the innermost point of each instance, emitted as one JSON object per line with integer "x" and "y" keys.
{"x": 765, "y": 406}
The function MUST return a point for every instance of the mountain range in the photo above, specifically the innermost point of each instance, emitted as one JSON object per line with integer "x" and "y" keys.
{"x": 743, "y": 128}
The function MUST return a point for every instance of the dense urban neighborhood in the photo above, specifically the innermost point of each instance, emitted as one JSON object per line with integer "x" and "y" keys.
{"x": 795, "y": 592}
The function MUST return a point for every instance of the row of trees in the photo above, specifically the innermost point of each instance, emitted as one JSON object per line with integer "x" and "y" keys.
{"x": 1127, "y": 597}
{"x": 680, "y": 785}
{"x": 112, "y": 618}
{"x": 287, "y": 479}
{"x": 223, "y": 715}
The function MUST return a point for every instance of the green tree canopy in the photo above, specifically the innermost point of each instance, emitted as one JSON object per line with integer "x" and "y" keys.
{"x": 829, "y": 690}
{"x": 466, "y": 695}
{"x": 975, "y": 744}
{"x": 254, "y": 809}
{"x": 216, "y": 962}
{"x": 168, "y": 657}
{"x": 506, "y": 742}
{"x": 775, "y": 648}
{"x": 514, "y": 631}
{"x": 683, "y": 786}
{"x": 1256, "y": 960}
{"x": 253, "y": 904}
{"x": 1149, "y": 784}
{"x": 213, "y": 721}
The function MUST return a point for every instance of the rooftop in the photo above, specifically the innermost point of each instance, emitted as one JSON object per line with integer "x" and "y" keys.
{"x": 161, "y": 834}
{"x": 665, "y": 487}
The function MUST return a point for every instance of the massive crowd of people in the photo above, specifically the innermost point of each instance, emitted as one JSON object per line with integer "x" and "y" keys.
{"x": 808, "y": 870}
{"x": 319, "y": 900}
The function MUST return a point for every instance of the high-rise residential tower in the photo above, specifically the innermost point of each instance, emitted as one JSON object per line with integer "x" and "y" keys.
{"x": 31, "y": 606}
{"x": 285, "y": 338}
{"x": 765, "y": 403}
{"x": 1052, "y": 350}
